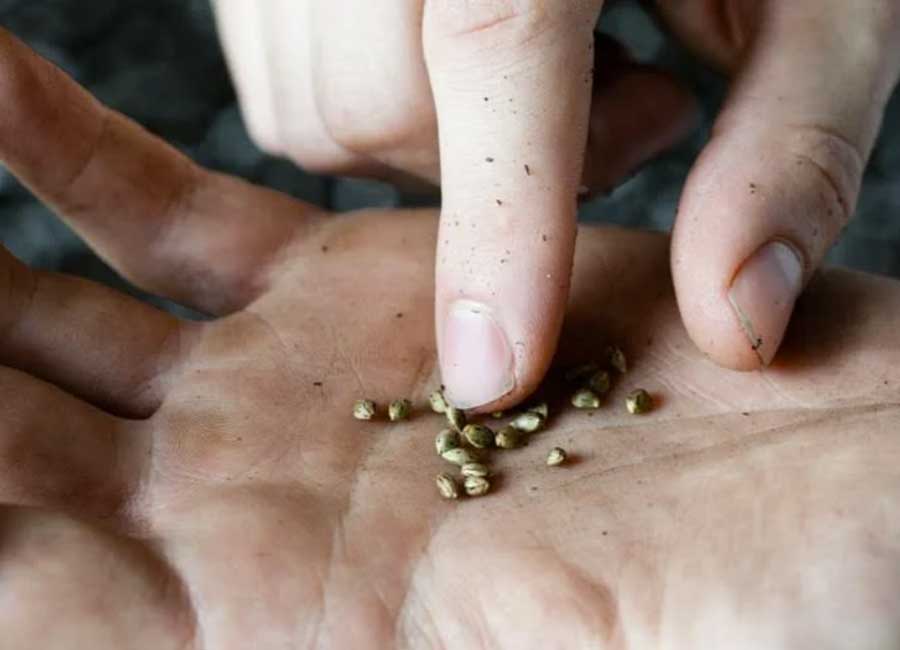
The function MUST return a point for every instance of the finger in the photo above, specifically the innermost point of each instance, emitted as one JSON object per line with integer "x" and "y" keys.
{"x": 637, "y": 112}
{"x": 512, "y": 83}
{"x": 780, "y": 177}
{"x": 376, "y": 100}
{"x": 94, "y": 342}
{"x": 200, "y": 238}
{"x": 58, "y": 452}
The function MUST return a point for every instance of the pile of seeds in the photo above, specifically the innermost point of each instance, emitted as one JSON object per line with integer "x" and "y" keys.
{"x": 464, "y": 444}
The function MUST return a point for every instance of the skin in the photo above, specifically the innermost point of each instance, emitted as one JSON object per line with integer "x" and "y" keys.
{"x": 168, "y": 484}
{"x": 470, "y": 93}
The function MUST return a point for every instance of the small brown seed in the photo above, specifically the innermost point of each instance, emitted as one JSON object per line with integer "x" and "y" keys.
{"x": 557, "y": 456}
{"x": 527, "y": 422}
{"x": 447, "y": 439}
{"x": 363, "y": 409}
{"x": 459, "y": 456}
{"x": 447, "y": 486}
{"x": 476, "y": 486}
{"x": 585, "y": 398}
{"x": 399, "y": 409}
{"x": 578, "y": 374}
{"x": 616, "y": 358}
{"x": 599, "y": 382}
{"x": 456, "y": 417}
{"x": 541, "y": 409}
{"x": 638, "y": 401}
{"x": 437, "y": 401}
{"x": 474, "y": 469}
{"x": 508, "y": 438}
{"x": 478, "y": 435}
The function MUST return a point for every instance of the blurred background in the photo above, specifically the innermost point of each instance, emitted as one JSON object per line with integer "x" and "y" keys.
{"x": 159, "y": 62}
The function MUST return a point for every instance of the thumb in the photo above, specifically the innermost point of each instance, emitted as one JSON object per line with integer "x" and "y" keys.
{"x": 780, "y": 177}
{"x": 511, "y": 83}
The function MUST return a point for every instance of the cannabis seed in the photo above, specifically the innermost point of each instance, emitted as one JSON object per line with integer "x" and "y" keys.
{"x": 476, "y": 486}
{"x": 639, "y": 401}
{"x": 399, "y": 410}
{"x": 585, "y": 398}
{"x": 474, "y": 469}
{"x": 599, "y": 382}
{"x": 459, "y": 456}
{"x": 478, "y": 435}
{"x": 578, "y": 374}
{"x": 527, "y": 422}
{"x": 541, "y": 409}
{"x": 364, "y": 409}
{"x": 497, "y": 415}
{"x": 456, "y": 417}
{"x": 616, "y": 358}
{"x": 437, "y": 401}
{"x": 557, "y": 456}
{"x": 508, "y": 438}
{"x": 447, "y": 439}
{"x": 447, "y": 486}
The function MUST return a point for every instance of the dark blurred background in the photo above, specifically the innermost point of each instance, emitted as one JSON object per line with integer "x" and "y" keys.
{"x": 159, "y": 62}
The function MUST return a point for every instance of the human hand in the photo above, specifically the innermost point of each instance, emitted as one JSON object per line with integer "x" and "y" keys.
{"x": 362, "y": 87}
{"x": 201, "y": 485}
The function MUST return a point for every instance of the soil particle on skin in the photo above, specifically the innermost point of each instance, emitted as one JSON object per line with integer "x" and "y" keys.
{"x": 324, "y": 249}
{"x": 527, "y": 170}
{"x": 317, "y": 384}
{"x": 399, "y": 314}
{"x": 499, "y": 202}
{"x": 489, "y": 159}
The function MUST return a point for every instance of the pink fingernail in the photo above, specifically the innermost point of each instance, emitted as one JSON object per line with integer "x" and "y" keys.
{"x": 763, "y": 294}
{"x": 476, "y": 359}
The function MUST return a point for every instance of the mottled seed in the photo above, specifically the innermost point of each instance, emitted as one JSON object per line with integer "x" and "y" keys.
{"x": 508, "y": 438}
{"x": 399, "y": 409}
{"x": 497, "y": 415}
{"x": 616, "y": 358}
{"x": 541, "y": 409}
{"x": 585, "y": 398}
{"x": 437, "y": 401}
{"x": 580, "y": 373}
{"x": 478, "y": 435}
{"x": 476, "y": 486}
{"x": 474, "y": 469}
{"x": 638, "y": 401}
{"x": 364, "y": 409}
{"x": 459, "y": 456}
{"x": 599, "y": 382}
{"x": 456, "y": 417}
{"x": 527, "y": 422}
{"x": 447, "y": 486}
{"x": 557, "y": 456}
{"x": 447, "y": 439}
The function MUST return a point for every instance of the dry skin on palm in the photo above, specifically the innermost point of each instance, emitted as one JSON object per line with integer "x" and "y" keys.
{"x": 364, "y": 409}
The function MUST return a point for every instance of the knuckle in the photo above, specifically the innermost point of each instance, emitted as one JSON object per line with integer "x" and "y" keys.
{"x": 493, "y": 22}
{"x": 836, "y": 164}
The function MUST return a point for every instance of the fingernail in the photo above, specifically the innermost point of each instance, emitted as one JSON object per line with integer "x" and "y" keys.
{"x": 763, "y": 294}
{"x": 476, "y": 359}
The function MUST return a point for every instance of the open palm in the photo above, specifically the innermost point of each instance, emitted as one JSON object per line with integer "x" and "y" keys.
{"x": 202, "y": 485}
